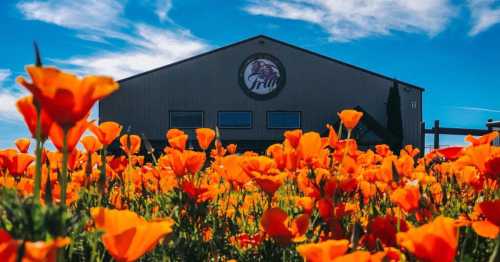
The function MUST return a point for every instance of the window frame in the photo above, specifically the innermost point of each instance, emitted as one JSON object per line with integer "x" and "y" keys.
{"x": 234, "y": 111}
{"x": 170, "y": 112}
{"x": 268, "y": 126}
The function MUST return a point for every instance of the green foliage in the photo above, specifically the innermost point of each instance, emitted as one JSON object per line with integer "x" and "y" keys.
{"x": 394, "y": 117}
{"x": 25, "y": 219}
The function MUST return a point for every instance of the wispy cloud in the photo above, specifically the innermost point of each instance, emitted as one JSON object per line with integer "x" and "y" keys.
{"x": 477, "y": 109}
{"x": 8, "y": 98}
{"x": 484, "y": 15}
{"x": 162, "y": 9}
{"x": 151, "y": 47}
{"x": 4, "y": 74}
{"x": 354, "y": 19}
{"x": 144, "y": 46}
{"x": 94, "y": 19}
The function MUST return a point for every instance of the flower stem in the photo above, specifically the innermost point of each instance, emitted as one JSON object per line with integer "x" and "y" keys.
{"x": 102, "y": 177}
{"x": 495, "y": 256}
{"x": 64, "y": 172}
{"x": 38, "y": 152}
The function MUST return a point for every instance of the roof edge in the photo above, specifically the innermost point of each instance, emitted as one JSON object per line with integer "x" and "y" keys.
{"x": 282, "y": 43}
{"x": 193, "y": 57}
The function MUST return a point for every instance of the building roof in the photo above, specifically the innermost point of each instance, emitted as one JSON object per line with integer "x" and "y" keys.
{"x": 280, "y": 42}
{"x": 491, "y": 124}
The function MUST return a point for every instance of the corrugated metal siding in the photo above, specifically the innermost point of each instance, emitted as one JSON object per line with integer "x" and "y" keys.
{"x": 410, "y": 109}
{"x": 316, "y": 86}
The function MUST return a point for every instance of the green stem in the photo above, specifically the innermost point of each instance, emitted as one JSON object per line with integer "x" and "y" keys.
{"x": 38, "y": 152}
{"x": 345, "y": 149}
{"x": 64, "y": 172}
{"x": 102, "y": 177}
{"x": 20, "y": 251}
{"x": 495, "y": 256}
{"x": 340, "y": 131}
{"x": 88, "y": 170}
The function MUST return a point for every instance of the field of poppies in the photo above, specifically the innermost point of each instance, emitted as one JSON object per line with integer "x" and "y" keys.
{"x": 308, "y": 198}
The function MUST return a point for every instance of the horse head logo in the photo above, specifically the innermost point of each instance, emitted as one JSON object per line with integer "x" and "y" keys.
{"x": 263, "y": 74}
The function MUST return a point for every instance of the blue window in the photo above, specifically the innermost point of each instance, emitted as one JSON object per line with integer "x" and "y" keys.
{"x": 234, "y": 119}
{"x": 186, "y": 119}
{"x": 283, "y": 119}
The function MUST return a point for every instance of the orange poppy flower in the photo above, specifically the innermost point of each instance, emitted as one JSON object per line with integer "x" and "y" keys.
{"x": 276, "y": 151}
{"x": 91, "y": 144}
{"x": 306, "y": 203}
{"x": 177, "y": 138}
{"x": 23, "y": 144}
{"x": 388, "y": 254}
{"x": 451, "y": 153}
{"x": 263, "y": 171}
{"x": 186, "y": 161}
{"x": 293, "y": 137}
{"x": 385, "y": 229}
{"x": 274, "y": 221}
{"x": 490, "y": 227}
{"x": 350, "y": 118}
{"x": 309, "y": 146}
{"x": 482, "y": 140}
{"x": 38, "y": 251}
{"x": 128, "y": 236}
{"x": 27, "y": 108}
{"x": 407, "y": 198}
{"x": 410, "y": 150}
{"x": 106, "y": 132}
{"x": 8, "y": 247}
{"x": 194, "y": 192}
{"x": 357, "y": 256}
{"x": 74, "y": 134}
{"x": 383, "y": 150}
{"x": 194, "y": 161}
{"x": 16, "y": 163}
{"x": 325, "y": 209}
{"x": 270, "y": 183}
{"x": 492, "y": 167}
{"x": 333, "y": 138}
{"x": 41, "y": 251}
{"x": 323, "y": 251}
{"x": 205, "y": 136}
{"x": 255, "y": 165}
{"x": 477, "y": 156}
{"x": 174, "y": 132}
{"x": 130, "y": 144}
{"x": 367, "y": 189}
{"x": 231, "y": 148}
{"x": 230, "y": 169}
{"x": 66, "y": 98}
{"x": 436, "y": 241}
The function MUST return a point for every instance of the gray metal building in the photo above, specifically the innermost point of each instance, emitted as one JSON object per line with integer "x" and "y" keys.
{"x": 256, "y": 89}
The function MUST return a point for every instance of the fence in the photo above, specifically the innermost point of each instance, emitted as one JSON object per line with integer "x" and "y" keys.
{"x": 438, "y": 130}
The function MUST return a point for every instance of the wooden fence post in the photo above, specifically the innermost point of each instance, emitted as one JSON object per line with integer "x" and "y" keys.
{"x": 422, "y": 138}
{"x": 436, "y": 134}
{"x": 490, "y": 128}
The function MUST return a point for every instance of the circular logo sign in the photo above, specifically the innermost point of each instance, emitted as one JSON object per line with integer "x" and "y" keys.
{"x": 262, "y": 76}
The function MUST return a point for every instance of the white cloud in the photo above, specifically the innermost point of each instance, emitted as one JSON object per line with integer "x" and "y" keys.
{"x": 95, "y": 15}
{"x": 151, "y": 47}
{"x": 8, "y": 98}
{"x": 477, "y": 109}
{"x": 162, "y": 9}
{"x": 4, "y": 74}
{"x": 484, "y": 14}
{"x": 346, "y": 20}
{"x": 145, "y": 46}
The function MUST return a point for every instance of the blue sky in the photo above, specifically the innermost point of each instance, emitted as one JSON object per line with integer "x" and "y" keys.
{"x": 451, "y": 48}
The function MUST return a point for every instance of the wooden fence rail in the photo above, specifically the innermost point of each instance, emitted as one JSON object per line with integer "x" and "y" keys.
{"x": 437, "y": 130}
